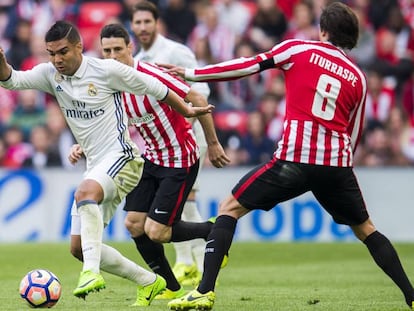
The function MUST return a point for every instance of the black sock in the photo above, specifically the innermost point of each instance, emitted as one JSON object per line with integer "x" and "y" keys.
{"x": 153, "y": 254}
{"x": 218, "y": 244}
{"x": 185, "y": 231}
{"x": 387, "y": 259}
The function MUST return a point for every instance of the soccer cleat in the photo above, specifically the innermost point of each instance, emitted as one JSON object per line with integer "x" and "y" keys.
{"x": 212, "y": 219}
{"x": 89, "y": 282}
{"x": 147, "y": 293}
{"x": 193, "y": 300}
{"x": 169, "y": 294}
{"x": 194, "y": 281}
{"x": 225, "y": 261}
{"x": 184, "y": 272}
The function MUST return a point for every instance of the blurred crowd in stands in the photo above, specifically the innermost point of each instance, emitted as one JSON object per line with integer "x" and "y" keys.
{"x": 249, "y": 112}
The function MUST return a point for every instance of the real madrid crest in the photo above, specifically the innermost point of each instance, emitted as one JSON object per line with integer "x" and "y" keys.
{"x": 92, "y": 91}
{"x": 58, "y": 77}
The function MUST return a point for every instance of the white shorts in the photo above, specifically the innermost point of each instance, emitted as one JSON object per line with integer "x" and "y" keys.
{"x": 202, "y": 146}
{"x": 115, "y": 188}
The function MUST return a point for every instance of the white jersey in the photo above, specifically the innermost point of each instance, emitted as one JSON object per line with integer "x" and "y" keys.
{"x": 91, "y": 102}
{"x": 167, "y": 51}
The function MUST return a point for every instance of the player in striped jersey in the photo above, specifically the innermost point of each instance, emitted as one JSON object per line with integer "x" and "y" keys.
{"x": 324, "y": 116}
{"x": 155, "y": 48}
{"x": 88, "y": 91}
{"x": 171, "y": 161}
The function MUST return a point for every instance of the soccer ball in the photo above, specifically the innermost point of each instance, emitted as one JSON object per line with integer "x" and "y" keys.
{"x": 40, "y": 288}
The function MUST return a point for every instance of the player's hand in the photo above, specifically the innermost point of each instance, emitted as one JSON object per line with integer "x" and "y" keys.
{"x": 75, "y": 154}
{"x": 2, "y": 54}
{"x": 5, "y": 69}
{"x": 198, "y": 111}
{"x": 174, "y": 70}
{"x": 217, "y": 155}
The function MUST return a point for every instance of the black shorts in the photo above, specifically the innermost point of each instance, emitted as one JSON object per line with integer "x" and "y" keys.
{"x": 162, "y": 192}
{"x": 335, "y": 188}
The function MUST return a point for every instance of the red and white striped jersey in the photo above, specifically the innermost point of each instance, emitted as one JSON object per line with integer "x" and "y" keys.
{"x": 325, "y": 98}
{"x": 168, "y": 136}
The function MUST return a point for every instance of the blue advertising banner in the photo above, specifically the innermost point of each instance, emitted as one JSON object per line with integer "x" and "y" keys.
{"x": 35, "y": 206}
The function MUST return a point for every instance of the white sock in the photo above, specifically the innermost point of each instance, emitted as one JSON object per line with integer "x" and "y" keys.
{"x": 112, "y": 261}
{"x": 183, "y": 253}
{"x": 91, "y": 235}
{"x": 198, "y": 247}
{"x": 184, "y": 250}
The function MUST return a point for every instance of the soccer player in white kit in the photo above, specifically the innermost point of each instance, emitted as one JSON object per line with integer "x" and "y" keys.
{"x": 88, "y": 91}
{"x": 325, "y": 103}
{"x": 155, "y": 48}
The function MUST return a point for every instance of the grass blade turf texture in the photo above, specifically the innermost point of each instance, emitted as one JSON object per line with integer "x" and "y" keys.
{"x": 263, "y": 276}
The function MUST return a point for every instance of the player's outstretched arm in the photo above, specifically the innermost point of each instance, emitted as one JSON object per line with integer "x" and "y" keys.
{"x": 5, "y": 69}
{"x": 174, "y": 70}
{"x": 225, "y": 71}
{"x": 187, "y": 110}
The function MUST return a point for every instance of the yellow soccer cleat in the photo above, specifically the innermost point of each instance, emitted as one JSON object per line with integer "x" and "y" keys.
{"x": 169, "y": 294}
{"x": 193, "y": 300}
{"x": 194, "y": 281}
{"x": 89, "y": 282}
{"x": 147, "y": 293}
{"x": 184, "y": 272}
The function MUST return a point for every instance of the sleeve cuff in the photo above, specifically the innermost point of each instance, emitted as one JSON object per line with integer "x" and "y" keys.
{"x": 189, "y": 73}
{"x": 168, "y": 91}
{"x": 8, "y": 78}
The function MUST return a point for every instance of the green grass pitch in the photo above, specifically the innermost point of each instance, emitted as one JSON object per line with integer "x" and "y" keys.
{"x": 259, "y": 277}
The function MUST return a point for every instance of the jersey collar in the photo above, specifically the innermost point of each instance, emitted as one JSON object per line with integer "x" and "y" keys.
{"x": 150, "y": 53}
{"x": 81, "y": 70}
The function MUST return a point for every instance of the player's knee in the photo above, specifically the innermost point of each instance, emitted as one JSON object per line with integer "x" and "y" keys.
{"x": 89, "y": 190}
{"x": 191, "y": 196}
{"x": 135, "y": 228}
{"x": 81, "y": 195}
{"x": 363, "y": 230}
{"x": 230, "y": 206}
{"x": 158, "y": 234}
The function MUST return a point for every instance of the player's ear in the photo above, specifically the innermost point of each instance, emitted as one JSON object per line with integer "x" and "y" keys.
{"x": 130, "y": 47}
{"x": 323, "y": 35}
{"x": 79, "y": 46}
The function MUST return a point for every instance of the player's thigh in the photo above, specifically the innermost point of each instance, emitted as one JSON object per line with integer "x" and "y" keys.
{"x": 269, "y": 184}
{"x": 116, "y": 184}
{"x": 338, "y": 191}
{"x": 172, "y": 193}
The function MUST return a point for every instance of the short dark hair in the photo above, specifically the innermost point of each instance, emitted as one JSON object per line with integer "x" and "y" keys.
{"x": 341, "y": 23}
{"x": 145, "y": 5}
{"x": 63, "y": 30}
{"x": 115, "y": 31}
